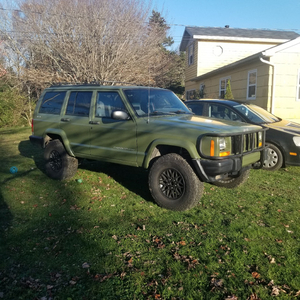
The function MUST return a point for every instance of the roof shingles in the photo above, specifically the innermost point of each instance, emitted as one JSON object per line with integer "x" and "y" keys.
{"x": 235, "y": 32}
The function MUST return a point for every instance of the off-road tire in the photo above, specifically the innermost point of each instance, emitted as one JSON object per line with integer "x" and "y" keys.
{"x": 274, "y": 159}
{"x": 173, "y": 183}
{"x": 58, "y": 164}
{"x": 233, "y": 182}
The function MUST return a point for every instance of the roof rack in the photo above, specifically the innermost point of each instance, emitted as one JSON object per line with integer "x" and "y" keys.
{"x": 54, "y": 84}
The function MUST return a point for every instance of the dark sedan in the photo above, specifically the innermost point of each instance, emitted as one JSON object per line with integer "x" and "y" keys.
{"x": 282, "y": 136}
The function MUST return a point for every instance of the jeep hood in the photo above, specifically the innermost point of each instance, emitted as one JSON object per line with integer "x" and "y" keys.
{"x": 209, "y": 124}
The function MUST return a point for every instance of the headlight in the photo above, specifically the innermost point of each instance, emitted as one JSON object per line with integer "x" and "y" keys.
{"x": 260, "y": 139}
{"x": 216, "y": 146}
{"x": 296, "y": 140}
{"x": 222, "y": 144}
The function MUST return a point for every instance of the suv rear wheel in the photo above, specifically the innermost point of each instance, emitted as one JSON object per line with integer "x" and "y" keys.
{"x": 173, "y": 183}
{"x": 58, "y": 164}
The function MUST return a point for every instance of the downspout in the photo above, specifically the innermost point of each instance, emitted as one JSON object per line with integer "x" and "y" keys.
{"x": 273, "y": 84}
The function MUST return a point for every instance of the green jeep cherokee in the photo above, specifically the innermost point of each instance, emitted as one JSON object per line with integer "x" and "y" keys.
{"x": 144, "y": 127}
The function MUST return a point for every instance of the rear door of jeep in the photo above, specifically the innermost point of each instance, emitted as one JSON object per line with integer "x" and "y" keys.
{"x": 75, "y": 122}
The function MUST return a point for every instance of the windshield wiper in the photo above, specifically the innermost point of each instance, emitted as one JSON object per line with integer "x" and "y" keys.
{"x": 180, "y": 111}
{"x": 161, "y": 113}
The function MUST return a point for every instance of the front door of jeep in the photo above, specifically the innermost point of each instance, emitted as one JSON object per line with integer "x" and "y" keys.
{"x": 112, "y": 140}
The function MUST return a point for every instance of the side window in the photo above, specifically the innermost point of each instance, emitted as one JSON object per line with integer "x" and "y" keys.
{"x": 197, "y": 108}
{"x": 223, "y": 112}
{"x": 107, "y": 102}
{"x": 52, "y": 103}
{"x": 79, "y": 104}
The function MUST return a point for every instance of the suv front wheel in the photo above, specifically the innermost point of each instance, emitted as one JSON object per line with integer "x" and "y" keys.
{"x": 173, "y": 183}
{"x": 233, "y": 182}
{"x": 58, "y": 164}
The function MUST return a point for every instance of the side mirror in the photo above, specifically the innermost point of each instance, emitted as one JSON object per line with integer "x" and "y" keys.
{"x": 120, "y": 115}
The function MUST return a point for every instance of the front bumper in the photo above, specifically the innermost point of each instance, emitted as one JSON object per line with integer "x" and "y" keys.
{"x": 209, "y": 170}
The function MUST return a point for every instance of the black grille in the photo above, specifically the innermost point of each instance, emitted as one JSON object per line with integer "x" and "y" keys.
{"x": 245, "y": 143}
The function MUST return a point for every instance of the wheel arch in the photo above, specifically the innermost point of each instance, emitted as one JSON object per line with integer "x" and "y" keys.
{"x": 57, "y": 134}
{"x": 161, "y": 147}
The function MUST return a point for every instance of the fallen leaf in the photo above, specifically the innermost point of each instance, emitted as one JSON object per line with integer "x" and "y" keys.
{"x": 253, "y": 297}
{"x": 85, "y": 265}
{"x": 275, "y": 291}
{"x": 255, "y": 275}
{"x": 233, "y": 297}
{"x": 272, "y": 261}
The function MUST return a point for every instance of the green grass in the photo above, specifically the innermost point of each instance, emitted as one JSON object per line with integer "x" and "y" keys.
{"x": 104, "y": 238}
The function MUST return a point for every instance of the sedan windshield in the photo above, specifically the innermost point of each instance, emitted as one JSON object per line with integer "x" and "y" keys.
{"x": 256, "y": 114}
{"x": 155, "y": 102}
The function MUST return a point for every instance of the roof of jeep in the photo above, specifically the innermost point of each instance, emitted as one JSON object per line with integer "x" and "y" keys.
{"x": 96, "y": 86}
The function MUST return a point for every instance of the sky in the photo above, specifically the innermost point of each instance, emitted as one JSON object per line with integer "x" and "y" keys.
{"x": 257, "y": 14}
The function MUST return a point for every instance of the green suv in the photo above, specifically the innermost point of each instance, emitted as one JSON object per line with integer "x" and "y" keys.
{"x": 144, "y": 127}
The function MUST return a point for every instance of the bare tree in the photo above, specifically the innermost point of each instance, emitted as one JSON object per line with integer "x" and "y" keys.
{"x": 106, "y": 41}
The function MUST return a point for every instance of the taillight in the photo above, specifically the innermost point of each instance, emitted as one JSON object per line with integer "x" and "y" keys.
{"x": 32, "y": 126}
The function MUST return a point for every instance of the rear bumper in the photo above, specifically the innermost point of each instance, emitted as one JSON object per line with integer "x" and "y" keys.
{"x": 37, "y": 140}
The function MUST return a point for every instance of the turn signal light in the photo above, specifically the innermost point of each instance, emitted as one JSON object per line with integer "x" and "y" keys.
{"x": 227, "y": 153}
{"x": 212, "y": 148}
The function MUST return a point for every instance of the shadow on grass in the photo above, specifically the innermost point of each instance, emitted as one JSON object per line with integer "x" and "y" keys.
{"x": 50, "y": 249}
{"x": 133, "y": 179}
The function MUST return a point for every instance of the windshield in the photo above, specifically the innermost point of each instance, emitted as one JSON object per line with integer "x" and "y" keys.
{"x": 256, "y": 114}
{"x": 155, "y": 102}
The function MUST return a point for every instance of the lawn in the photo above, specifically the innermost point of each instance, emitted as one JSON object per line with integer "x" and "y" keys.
{"x": 102, "y": 237}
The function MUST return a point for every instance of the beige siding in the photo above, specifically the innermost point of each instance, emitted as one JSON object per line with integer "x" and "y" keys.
{"x": 238, "y": 80}
{"x": 191, "y": 71}
{"x": 210, "y": 57}
{"x": 287, "y": 66}
{"x": 207, "y": 57}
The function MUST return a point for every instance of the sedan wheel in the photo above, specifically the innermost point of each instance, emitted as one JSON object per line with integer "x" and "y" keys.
{"x": 274, "y": 159}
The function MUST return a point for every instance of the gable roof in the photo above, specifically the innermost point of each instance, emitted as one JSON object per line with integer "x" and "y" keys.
{"x": 235, "y": 34}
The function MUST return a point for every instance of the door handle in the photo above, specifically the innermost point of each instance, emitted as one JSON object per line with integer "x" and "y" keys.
{"x": 94, "y": 122}
{"x": 65, "y": 120}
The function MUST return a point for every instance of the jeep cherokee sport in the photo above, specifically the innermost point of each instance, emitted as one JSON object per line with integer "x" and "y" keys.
{"x": 144, "y": 127}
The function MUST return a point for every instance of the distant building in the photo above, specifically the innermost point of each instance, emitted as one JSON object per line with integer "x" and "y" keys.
{"x": 263, "y": 67}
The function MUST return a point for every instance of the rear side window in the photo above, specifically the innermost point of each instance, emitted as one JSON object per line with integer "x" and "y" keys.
{"x": 52, "y": 103}
{"x": 79, "y": 104}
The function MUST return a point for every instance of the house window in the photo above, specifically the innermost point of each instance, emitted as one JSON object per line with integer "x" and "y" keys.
{"x": 201, "y": 90}
{"x": 191, "y": 54}
{"x": 252, "y": 85}
{"x": 223, "y": 85}
{"x": 190, "y": 95}
{"x": 298, "y": 86}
